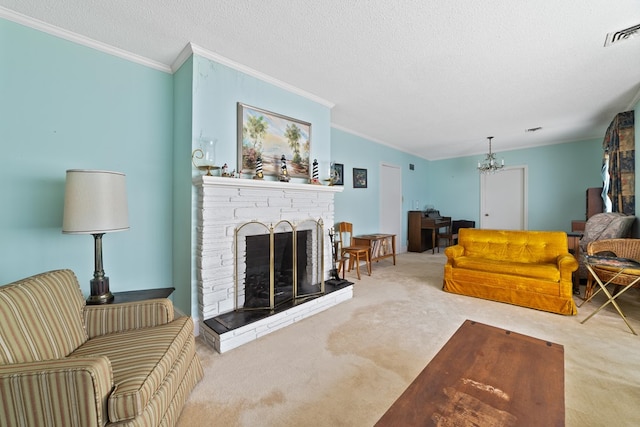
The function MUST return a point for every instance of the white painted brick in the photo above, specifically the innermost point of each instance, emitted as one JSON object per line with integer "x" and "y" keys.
{"x": 226, "y": 305}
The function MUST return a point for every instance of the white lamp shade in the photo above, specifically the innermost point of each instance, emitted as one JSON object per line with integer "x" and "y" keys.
{"x": 95, "y": 202}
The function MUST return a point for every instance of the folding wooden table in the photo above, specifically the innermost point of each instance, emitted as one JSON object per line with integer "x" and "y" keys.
{"x": 617, "y": 266}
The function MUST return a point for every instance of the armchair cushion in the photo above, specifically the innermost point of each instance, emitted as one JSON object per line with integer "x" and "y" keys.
{"x": 141, "y": 360}
{"x": 41, "y": 318}
{"x": 106, "y": 319}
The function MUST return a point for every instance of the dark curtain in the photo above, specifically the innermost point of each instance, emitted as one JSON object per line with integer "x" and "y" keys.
{"x": 619, "y": 144}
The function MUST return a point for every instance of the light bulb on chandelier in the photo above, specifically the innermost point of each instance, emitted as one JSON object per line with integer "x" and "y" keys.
{"x": 490, "y": 164}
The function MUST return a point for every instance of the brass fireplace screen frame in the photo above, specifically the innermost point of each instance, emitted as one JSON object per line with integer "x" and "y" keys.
{"x": 316, "y": 245}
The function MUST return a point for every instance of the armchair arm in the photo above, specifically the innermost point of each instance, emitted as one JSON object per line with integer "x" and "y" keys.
{"x": 567, "y": 264}
{"x": 72, "y": 391}
{"x": 453, "y": 252}
{"x": 108, "y": 318}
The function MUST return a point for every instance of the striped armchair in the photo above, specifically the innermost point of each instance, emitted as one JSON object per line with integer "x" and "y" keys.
{"x": 63, "y": 363}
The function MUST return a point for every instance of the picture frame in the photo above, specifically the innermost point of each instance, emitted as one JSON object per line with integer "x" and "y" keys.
{"x": 337, "y": 172}
{"x": 359, "y": 178}
{"x": 270, "y": 135}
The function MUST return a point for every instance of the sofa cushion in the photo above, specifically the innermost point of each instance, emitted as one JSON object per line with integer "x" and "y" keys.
{"x": 514, "y": 245}
{"x": 41, "y": 318}
{"x": 542, "y": 271}
{"x": 140, "y": 369}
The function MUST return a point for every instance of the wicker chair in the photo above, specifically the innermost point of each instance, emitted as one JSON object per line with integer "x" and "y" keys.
{"x": 606, "y": 225}
{"x": 621, "y": 248}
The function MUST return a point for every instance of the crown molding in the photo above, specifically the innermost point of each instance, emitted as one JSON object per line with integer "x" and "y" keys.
{"x": 188, "y": 50}
{"x": 636, "y": 100}
{"x": 372, "y": 139}
{"x": 191, "y": 48}
{"x": 36, "y": 24}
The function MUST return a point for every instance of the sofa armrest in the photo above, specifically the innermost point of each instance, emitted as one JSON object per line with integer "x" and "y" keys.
{"x": 109, "y": 318}
{"x": 453, "y": 252}
{"x": 69, "y": 391}
{"x": 567, "y": 264}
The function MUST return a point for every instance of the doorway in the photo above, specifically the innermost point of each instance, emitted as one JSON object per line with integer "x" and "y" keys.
{"x": 391, "y": 200}
{"x": 503, "y": 199}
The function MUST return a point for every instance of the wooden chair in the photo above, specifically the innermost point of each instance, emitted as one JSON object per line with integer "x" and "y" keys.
{"x": 350, "y": 252}
{"x": 446, "y": 234}
{"x": 457, "y": 225}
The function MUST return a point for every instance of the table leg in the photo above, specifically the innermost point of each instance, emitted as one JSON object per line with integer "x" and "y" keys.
{"x": 433, "y": 240}
{"x": 611, "y": 298}
{"x": 393, "y": 248}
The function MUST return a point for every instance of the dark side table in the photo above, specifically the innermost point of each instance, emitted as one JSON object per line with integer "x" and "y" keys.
{"x": 132, "y": 296}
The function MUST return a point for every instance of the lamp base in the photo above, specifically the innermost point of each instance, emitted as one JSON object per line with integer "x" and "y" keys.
{"x": 100, "y": 293}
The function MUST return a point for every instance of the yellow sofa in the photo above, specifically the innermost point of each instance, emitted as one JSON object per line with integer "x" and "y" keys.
{"x": 527, "y": 268}
{"x": 63, "y": 363}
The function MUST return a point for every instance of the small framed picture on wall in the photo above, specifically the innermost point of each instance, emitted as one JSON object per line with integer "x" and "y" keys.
{"x": 337, "y": 174}
{"x": 359, "y": 178}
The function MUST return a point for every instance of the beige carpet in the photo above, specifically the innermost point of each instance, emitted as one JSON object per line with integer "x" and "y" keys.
{"x": 347, "y": 365}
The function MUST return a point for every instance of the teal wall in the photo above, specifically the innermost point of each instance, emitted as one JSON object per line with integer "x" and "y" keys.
{"x": 216, "y": 91}
{"x": 360, "y": 206}
{"x": 66, "y": 106}
{"x": 558, "y": 176}
{"x": 183, "y": 232}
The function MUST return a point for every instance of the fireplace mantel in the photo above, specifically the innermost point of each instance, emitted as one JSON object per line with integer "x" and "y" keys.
{"x": 204, "y": 180}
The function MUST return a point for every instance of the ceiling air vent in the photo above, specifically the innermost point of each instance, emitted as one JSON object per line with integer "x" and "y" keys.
{"x": 621, "y": 35}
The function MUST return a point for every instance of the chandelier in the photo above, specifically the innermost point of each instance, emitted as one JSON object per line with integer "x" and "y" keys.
{"x": 490, "y": 164}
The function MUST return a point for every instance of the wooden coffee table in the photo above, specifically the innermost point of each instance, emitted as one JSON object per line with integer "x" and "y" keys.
{"x": 485, "y": 376}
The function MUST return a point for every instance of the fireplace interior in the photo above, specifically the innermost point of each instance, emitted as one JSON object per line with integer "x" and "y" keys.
{"x": 257, "y": 279}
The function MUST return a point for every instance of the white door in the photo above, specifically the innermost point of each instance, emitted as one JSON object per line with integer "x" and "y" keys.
{"x": 503, "y": 199}
{"x": 391, "y": 201}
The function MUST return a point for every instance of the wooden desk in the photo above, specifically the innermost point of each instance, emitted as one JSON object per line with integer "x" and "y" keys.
{"x": 419, "y": 226}
{"x": 381, "y": 246}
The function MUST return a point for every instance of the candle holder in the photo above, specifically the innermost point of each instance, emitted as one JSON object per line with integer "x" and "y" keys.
{"x": 204, "y": 158}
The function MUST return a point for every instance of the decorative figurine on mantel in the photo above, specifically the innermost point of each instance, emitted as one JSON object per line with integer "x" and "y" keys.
{"x": 314, "y": 174}
{"x": 284, "y": 175}
{"x": 259, "y": 174}
{"x": 225, "y": 170}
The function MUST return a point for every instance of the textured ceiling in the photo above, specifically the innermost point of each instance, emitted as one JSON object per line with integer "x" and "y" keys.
{"x": 433, "y": 78}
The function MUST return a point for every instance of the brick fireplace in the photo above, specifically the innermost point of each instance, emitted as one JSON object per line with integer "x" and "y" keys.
{"x": 224, "y": 205}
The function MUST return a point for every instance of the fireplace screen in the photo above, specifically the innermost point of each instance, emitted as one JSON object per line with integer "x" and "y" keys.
{"x": 277, "y": 264}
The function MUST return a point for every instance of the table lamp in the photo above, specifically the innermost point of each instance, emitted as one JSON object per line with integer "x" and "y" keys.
{"x": 95, "y": 202}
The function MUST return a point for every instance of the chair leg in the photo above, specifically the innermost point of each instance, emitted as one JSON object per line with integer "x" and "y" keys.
{"x": 358, "y": 264}
{"x": 368, "y": 262}
{"x": 341, "y": 266}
